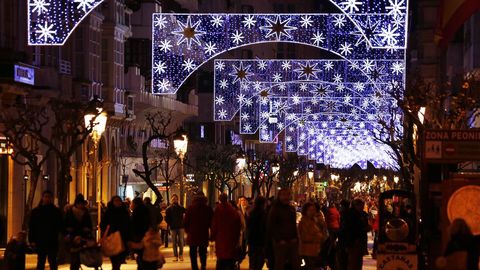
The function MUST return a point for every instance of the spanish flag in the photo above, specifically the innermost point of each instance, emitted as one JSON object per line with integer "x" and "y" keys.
{"x": 451, "y": 16}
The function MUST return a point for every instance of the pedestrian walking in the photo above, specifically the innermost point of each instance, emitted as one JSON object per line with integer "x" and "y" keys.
{"x": 163, "y": 225}
{"x": 153, "y": 212}
{"x": 226, "y": 226}
{"x": 139, "y": 225}
{"x": 78, "y": 229}
{"x": 198, "y": 220}
{"x": 152, "y": 257}
{"x": 16, "y": 251}
{"x": 174, "y": 217}
{"x": 116, "y": 219}
{"x": 311, "y": 236}
{"x": 45, "y": 227}
{"x": 462, "y": 250}
{"x": 257, "y": 229}
{"x": 355, "y": 231}
{"x": 243, "y": 210}
{"x": 282, "y": 231}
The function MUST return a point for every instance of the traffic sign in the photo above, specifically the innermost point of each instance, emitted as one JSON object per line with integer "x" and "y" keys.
{"x": 445, "y": 146}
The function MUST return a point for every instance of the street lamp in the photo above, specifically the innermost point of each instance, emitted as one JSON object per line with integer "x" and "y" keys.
{"x": 395, "y": 180}
{"x": 180, "y": 144}
{"x": 96, "y": 120}
{"x": 241, "y": 163}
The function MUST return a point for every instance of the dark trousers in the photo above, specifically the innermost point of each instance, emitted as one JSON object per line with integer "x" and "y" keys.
{"x": 226, "y": 264}
{"x": 202, "y": 252}
{"x": 42, "y": 258}
{"x": 256, "y": 257}
{"x": 74, "y": 260}
{"x": 150, "y": 265}
{"x": 164, "y": 236}
{"x": 117, "y": 261}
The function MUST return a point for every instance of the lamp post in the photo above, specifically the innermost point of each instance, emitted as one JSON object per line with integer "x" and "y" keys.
{"x": 97, "y": 121}
{"x": 310, "y": 175}
{"x": 180, "y": 143}
{"x": 395, "y": 181}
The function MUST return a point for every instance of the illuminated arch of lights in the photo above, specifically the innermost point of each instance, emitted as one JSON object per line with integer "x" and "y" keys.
{"x": 181, "y": 43}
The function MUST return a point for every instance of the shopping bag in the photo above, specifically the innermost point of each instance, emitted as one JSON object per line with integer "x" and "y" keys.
{"x": 91, "y": 257}
{"x": 112, "y": 244}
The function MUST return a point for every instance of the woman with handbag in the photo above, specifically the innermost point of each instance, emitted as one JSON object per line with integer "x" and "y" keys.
{"x": 311, "y": 236}
{"x": 114, "y": 227}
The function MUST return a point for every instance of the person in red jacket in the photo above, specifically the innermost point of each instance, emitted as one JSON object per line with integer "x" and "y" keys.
{"x": 226, "y": 226}
{"x": 198, "y": 219}
{"x": 333, "y": 220}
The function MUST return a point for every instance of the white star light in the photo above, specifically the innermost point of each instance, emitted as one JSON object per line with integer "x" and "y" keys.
{"x": 249, "y": 21}
{"x": 188, "y": 65}
{"x": 45, "y": 31}
{"x": 159, "y": 67}
{"x": 240, "y": 73}
{"x": 328, "y": 65}
{"x": 39, "y": 6}
{"x": 286, "y": 65}
{"x": 189, "y": 32}
{"x": 306, "y": 21}
{"x": 353, "y": 65}
{"x": 222, "y": 114}
{"x": 265, "y": 137}
{"x": 248, "y": 102}
{"x": 359, "y": 86}
{"x": 84, "y": 4}
{"x": 247, "y": 127}
{"x": 220, "y": 65}
{"x": 257, "y": 85}
{"x": 278, "y": 28}
{"x": 223, "y": 84}
{"x": 303, "y": 87}
{"x": 160, "y": 21}
{"x": 346, "y": 49}
{"x": 339, "y": 20}
{"x": 350, "y": 6}
{"x": 307, "y": 71}
{"x": 210, "y": 48}
{"x": 245, "y": 116}
{"x": 165, "y": 46}
{"x": 397, "y": 68}
{"x": 216, "y": 21}
{"x": 396, "y": 8}
{"x": 277, "y": 77}
{"x": 367, "y": 66}
{"x": 262, "y": 65}
{"x": 219, "y": 100}
{"x": 237, "y": 37}
{"x": 296, "y": 99}
{"x": 164, "y": 85}
{"x": 389, "y": 35}
{"x": 241, "y": 98}
{"x": 318, "y": 38}
{"x": 337, "y": 78}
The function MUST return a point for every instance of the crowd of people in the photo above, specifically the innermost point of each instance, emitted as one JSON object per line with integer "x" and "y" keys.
{"x": 268, "y": 231}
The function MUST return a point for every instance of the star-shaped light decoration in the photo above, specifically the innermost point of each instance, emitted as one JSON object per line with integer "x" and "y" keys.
{"x": 240, "y": 73}
{"x": 189, "y": 32}
{"x": 278, "y": 28}
{"x": 307, "y": 71}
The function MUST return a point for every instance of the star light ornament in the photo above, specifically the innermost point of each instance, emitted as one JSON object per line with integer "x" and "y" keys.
{"x": 46, "y": 32}
{"x": 84, "y": 4}
{"x": 188, "y": 32}
{"x": 39, "y": 6}
{"x": 278, "y": 28}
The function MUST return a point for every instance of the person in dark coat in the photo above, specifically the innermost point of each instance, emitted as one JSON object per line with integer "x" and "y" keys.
{"x": 354, "y": 230}
{"x": 45, "y": 227}
{"x": 78, "y": 229}
{"x": 116, "y": 219}
{"x": 257, "y": 227}
{"x": 226, "y": 226}
{"x": 461, "y": 239}
{"x": 15, "y": 252}
{"x": 139, "y": 225}
{"x": 198, "y": 220}
{"x": 174, "y": 217}
{"x": 282, "y": 231}
{"x": 153, "y": 212}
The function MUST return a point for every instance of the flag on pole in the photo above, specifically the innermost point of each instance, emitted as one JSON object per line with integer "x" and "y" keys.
{"x": 451, "y": 16}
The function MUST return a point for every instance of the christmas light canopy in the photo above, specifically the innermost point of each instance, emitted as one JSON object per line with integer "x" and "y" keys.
{"x": 51, "y": 22}
{"x": 181, "y": 43}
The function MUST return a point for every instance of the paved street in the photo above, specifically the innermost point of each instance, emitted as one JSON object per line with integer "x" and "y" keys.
{"x": 368, "y": 263}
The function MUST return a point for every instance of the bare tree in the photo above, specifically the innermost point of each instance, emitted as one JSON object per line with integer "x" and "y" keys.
{"x": 292, "y": 167}
{"x": 159, "y": 125}
{"x": 19, "y": 121}
{"x": 167, "y": 170}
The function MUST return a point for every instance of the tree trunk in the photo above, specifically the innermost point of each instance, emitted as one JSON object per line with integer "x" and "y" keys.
{"x": 35, "y": 175}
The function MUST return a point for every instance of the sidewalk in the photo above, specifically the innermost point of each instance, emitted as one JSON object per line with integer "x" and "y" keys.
{"x": 369, "y": 263}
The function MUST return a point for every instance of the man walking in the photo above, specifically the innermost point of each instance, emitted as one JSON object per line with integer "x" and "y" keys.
{"x": 44, "y": 229}
{"x": 174, "y": 218}
{"x": 226, "y": 226}
{"x": 198, "y": 220}
{"x": 282, "y": 231}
